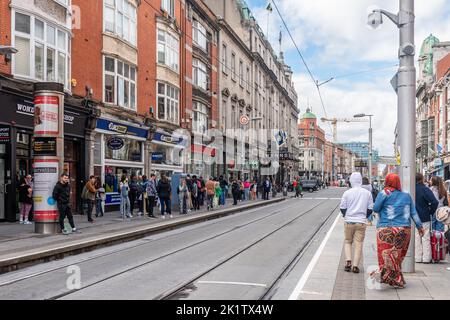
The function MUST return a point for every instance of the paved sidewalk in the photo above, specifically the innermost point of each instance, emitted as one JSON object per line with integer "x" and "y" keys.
{"x": 329, "y": 281}
{"x": 20, "y": 243}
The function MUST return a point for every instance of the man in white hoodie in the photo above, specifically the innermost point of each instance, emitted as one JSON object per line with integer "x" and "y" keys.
{"x": 356, "y": 206}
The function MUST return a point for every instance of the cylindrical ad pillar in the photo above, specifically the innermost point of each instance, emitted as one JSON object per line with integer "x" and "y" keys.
{"x": 48, "y": 151}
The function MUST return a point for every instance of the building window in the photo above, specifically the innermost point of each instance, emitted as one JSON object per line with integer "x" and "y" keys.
{"x": 43, "y": 50}
{"x": 168, "y": 6}
{"x": 241, "y": 73}
{"x": 233, "y": 65}
{"x": 200, "y": 36}
{"x": 120, "y": 19}
{"x": 248, "y": 79}
{"x": 120, "y": 83}
{"x": 168, "y": 50}
{"x": 201, "y": 74}
{"x": 224, "y": 59}
{"x": 200, "y": 123}
{"x": 168, "y": 103}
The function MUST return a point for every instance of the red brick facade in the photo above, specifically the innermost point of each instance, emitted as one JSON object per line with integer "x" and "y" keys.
{"x": 5, "y": 33}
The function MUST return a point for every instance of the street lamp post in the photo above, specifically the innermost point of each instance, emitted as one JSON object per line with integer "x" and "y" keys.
{"x": 362, "y": 115}
{"x": 405, "y": 85}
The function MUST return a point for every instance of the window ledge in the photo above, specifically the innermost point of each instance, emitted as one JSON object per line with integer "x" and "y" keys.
{"x": 118, "y": 38}
{"x": 165, "y": 66}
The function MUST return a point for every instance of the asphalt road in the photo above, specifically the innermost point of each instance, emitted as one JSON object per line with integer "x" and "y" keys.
{"x": 256, "y": 254}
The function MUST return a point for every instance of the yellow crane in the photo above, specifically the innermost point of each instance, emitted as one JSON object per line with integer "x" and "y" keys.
{"x": 334, "y": 122}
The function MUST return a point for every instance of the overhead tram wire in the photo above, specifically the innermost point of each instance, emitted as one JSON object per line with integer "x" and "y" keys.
{"x": 304, "y": 61}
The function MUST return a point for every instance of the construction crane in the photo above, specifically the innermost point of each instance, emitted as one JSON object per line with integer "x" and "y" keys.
{"x": 334, "y": 122}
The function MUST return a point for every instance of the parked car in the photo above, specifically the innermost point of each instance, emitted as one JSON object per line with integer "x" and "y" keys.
{"x": 310, "y": 185}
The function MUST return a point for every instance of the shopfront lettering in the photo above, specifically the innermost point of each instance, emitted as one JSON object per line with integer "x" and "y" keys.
{"x": 22, "y": 108}
{"x": 117, "y": 128}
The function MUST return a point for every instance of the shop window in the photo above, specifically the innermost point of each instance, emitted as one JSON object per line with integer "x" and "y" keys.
{"x": 162, "y": 154}
{"x": 43, "y": 50}
{"x": 113, "y": 175}
{"x": 131, "y": 151}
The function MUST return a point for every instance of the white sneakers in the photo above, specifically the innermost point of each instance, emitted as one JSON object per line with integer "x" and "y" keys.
{"x": 25, "y": 222}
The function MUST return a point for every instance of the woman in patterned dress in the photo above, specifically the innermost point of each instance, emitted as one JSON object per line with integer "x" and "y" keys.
{"x": 396, "y": 209}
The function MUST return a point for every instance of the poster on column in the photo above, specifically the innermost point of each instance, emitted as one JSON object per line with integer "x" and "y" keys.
{"x": 46, "y": 117}
{"x": 45, "y": 179}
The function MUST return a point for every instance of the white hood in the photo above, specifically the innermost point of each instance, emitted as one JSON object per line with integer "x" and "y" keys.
{"x": 356, "y": 180}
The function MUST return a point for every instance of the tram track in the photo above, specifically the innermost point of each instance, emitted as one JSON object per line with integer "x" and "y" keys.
{"x": 150, "y": 261}
{"x": 173, "y": 293}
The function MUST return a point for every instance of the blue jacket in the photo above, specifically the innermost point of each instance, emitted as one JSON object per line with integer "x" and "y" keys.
{"x": 426, "y": 203}
{"x": 396, "y": 210}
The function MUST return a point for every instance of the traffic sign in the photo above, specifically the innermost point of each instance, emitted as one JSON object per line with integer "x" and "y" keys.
{"x": 244, "y": 120}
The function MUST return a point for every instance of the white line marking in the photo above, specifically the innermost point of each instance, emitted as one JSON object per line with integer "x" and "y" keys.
{"x": 313, "y": 293}
{"x": 301, "y": 283}
{"x": 234, "y": 283}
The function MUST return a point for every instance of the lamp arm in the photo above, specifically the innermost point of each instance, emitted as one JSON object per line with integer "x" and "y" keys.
{"x": 393, "y": 17}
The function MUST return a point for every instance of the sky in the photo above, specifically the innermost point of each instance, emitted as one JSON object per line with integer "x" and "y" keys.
{"x": 336, "y": 41}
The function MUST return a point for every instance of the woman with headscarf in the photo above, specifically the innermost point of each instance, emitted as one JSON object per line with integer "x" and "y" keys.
{"x": 396, "y": 209}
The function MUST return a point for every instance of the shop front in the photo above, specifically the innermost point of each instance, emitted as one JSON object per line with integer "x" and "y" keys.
{"x": 118, "y": 152}
{"x": 16, "y": 148}
{"x": 167, "y": 154}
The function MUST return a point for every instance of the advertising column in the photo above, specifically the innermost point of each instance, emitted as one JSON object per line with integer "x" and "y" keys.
{"x": 48, "y": 150}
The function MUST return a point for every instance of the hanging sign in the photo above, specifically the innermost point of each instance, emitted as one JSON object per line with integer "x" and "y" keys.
{"x": 115, "y": 143}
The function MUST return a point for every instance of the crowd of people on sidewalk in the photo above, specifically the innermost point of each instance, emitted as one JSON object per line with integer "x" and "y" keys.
{"x": 394, "y": 210}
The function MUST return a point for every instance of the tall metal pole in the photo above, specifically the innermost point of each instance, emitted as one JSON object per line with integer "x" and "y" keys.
{"x": 407, "y": 111}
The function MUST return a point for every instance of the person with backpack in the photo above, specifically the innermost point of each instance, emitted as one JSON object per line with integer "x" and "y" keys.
{"x": 235, "y": 190}
{"x": 61, "y": 194}
{"x": 164, "y": 190}
{"x": 440, "y": 193}
{"x": 151, "y": 195}
{"x": 88, "y": 194}
{"x": 266, "y": 189}
{"x": 124, "y": 198}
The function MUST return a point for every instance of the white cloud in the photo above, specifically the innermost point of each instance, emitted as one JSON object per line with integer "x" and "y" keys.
{"x": 337, "y": 33}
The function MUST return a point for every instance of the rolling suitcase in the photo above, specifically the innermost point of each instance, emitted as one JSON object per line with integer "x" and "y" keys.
{"x": 439, "y": 245}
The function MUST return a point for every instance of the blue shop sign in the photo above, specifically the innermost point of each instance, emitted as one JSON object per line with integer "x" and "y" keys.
{"x": 158, "y": 136}
{"x": 158, "y": 156}
{"x": 112, "y": 198}
{"x": 115, "y": 143}
{"x": 116, "y": 127}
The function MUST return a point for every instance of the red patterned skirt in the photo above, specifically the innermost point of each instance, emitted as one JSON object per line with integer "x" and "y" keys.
{"x": 392, "y": 243}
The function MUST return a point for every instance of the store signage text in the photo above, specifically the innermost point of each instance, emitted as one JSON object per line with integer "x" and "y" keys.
{"x": 117, "y": 128}
{"x": 4, "y": 134}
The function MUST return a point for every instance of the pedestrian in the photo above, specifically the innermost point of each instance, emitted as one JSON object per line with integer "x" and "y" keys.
{"x": 395, "y": 209}
{"x": 294, "y": 186}
{"x": 194, "y": 193}
{"x": 25, "y": 201}
{"x": 235, "y": 190}
{"x": 89, "y": 193}
{"x": 165, "y": 195}
{"x": 246, "y": 190}
{"x": 182, "y": 192}
{"x": 99, "y": 196}
{"x": 366, "y": 185}
{"x": 190, "y": 185}
{"x": 439, "y": 192}
{"x": 426, "y": 205}
{"x": 210, "y": 192}
{"x": 61, "y": 194}
{"x": 133, "y": 194}
{"x": 267, "y": 186}
{"x": 151, "y": 195}
{"x": 224, "y": 185}
{"x": 356, "y": 206}
{"x": 217, "y": 192}
{"x": 124, "y": 198}
{"x": 253, "y": 189}
{"x": 299, "y": 190}
{"x": 141, "y": 186}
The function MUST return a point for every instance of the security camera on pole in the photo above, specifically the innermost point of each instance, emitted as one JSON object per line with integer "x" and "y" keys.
{"x": 404, "y": 84}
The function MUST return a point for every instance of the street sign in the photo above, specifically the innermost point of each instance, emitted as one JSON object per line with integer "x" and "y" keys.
{"x": 244, "y": 120}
